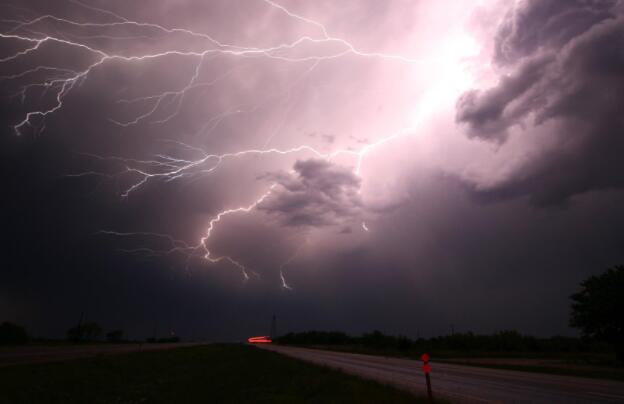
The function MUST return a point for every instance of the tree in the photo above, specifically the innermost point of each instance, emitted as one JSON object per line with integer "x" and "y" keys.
{"x": 597, "y": 308}
{"x": 12, "y": 334}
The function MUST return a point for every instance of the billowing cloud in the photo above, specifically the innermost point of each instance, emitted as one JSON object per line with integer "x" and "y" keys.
{"x": 533, "y": 25}
{"x": 562, "y": 79}
{"x": 491, "y": 112}
{"x": 316, "y": 193}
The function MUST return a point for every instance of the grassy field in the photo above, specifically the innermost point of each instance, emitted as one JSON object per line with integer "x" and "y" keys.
{"x": 224, "y": 373}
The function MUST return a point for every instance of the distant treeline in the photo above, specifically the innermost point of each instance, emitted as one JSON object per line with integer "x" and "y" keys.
{"x": 15, "y": 334}
{"x": 503, "y": 341}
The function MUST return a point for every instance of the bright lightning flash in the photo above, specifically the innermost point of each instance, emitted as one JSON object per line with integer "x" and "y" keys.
{"x": 61, "y": 81}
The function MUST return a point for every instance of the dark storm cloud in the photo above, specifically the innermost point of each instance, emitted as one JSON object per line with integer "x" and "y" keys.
{"x": 490, "y": 113}
{"x": 566, "y": 82}
{"x": 537, "y": 24}
{"x": 318, "y": 193}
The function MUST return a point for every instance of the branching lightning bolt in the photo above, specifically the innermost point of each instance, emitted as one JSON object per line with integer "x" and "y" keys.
{"x": 61, "y": 82}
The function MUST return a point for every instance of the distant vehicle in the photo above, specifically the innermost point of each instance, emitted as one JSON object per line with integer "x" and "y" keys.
{"x": 260, "y": 340}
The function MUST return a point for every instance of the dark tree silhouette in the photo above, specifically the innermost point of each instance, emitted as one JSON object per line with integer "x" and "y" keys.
{"x": 598, "y": 308}
{"x": 12, "y": 334}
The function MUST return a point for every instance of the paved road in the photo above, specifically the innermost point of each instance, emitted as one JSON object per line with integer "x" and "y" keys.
{"x": 31, "y": 354}
{"x": 466, "y": 384}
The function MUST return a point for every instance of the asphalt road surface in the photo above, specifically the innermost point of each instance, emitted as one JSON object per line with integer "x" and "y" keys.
{"x": 466, "y": 384}
{"x": 33, "y": 354}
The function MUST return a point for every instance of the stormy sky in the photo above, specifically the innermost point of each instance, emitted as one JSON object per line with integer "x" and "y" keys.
{"x": 408, "y": 166}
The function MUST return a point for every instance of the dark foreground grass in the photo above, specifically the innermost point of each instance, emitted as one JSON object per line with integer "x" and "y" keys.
{"x": 223, "y": 373}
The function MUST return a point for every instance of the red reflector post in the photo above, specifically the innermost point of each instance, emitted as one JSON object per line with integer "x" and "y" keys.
{"x": 427, "y": 368}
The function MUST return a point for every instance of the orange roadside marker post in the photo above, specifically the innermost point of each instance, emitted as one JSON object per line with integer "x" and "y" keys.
{"x": 427, "y": 369}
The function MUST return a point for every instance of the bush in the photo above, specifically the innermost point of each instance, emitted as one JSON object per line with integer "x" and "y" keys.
{"x": 503, "y": 341}
{"x": 115, "y": 336}
{"x": 12, "y": 334}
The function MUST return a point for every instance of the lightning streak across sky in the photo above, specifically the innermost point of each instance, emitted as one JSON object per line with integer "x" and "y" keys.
{"x": 162, "y": 107}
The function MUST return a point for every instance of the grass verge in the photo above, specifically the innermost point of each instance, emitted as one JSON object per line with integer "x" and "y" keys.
{"x": 595, "y": 366}
{"x": 220, "y": 373}
{"x": 608, "y": 374}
